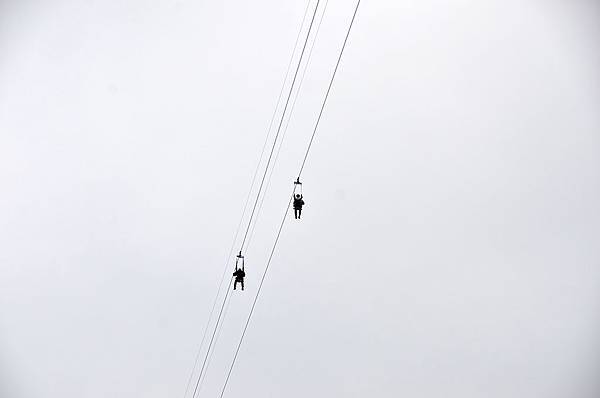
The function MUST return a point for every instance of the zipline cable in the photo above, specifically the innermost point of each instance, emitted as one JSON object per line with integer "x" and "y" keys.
{"x": 237, "y": 350}
{"x": 289, "y": 201}
{"x": 328, "y": 89}
{"x": 287, "y": 101}
{"x": 212, "y": 338}
{"x": 215, "y": 343}
{"x": 200, "y": 376}
{"x": 287, "y": 123}
{"x": 187, "y": 388}
{"x": 245, "y": 206}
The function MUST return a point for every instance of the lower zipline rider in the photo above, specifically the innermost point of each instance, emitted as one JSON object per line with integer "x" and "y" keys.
{"x": 239, "y": 272}
{"x": 298, "y": 199}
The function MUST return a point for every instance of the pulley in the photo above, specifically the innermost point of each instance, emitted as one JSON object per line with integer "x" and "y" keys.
{"x": 239, "y": 260}
{"x": 298, "y": 185}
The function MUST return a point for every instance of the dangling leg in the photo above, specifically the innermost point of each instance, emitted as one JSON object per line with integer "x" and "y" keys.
{"x": 235, "y": 284}
{"x": 299, "y": 212}
{"x": 296, "y": 214}
{"x": 242, "y": 282}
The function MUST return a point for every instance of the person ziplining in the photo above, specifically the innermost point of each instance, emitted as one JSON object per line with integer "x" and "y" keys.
{"x": 298, "y": 200}
{"x": 239, "y": 272}
{"x": 298, "y": 203}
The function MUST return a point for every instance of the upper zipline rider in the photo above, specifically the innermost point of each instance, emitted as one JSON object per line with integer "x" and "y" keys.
{"x": 298, "y": 200}
{"x": 239, "y": 272}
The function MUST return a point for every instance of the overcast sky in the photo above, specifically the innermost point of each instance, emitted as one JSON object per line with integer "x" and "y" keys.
{"x": 450, "y": 242}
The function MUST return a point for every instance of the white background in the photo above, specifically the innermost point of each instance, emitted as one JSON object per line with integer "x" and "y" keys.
{"x": 450, "y": 242}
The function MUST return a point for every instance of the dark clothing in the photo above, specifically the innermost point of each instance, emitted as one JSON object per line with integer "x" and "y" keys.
{"x": 239, "y": 278}
{"x": 236, "y": 282}
{"x": 298, "y": 203}
{"x": 239, "y": 274}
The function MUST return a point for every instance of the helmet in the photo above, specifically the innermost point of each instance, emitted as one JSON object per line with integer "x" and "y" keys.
{"x": 297, "y": 196}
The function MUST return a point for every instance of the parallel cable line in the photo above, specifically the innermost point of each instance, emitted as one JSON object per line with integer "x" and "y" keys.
{"x": 208, "y": 352}
{"x": 328, "y": 89}
{"x": 287, "y": 101}
{"x": 278, "y": 149}
{"x": 287, "y": 123}
{"x": 212, "y": 338}
{"x": 197, "y": 359}
{"x": 210, "y": 317}
{"x": 237, "y": 350}
{"x": 289, "y": 202}
{"x": 215, "y": 343}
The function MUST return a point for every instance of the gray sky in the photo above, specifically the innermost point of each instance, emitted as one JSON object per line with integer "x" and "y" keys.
{"x": 449, "y": 247}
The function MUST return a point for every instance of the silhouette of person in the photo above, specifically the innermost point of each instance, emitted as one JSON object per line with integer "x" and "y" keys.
{"x": 239, "y": 277}
{"x": 298, "y": 203}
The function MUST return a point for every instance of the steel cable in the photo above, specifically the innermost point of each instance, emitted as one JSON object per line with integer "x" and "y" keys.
{"x": 289, "y": 203}
{"x": 200, "y": 376}
{"x": 287, "y": 101}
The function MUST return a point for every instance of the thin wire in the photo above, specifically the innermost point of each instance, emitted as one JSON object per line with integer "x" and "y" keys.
{"x": 328, "y": 89}
{"x": 262, "y": 201}
{"x": 215, "y": 344}
{"x": 263, "y": 179}
{"x": 212, "y": 338}
{"x": 280, "y": 123}
{"x": 187, "y": 388}
{"x": 210, "y": 317}
{"x": 287, "y": 72}
{"x": 237, "y": 350}
{"x": 289, "y": 203}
